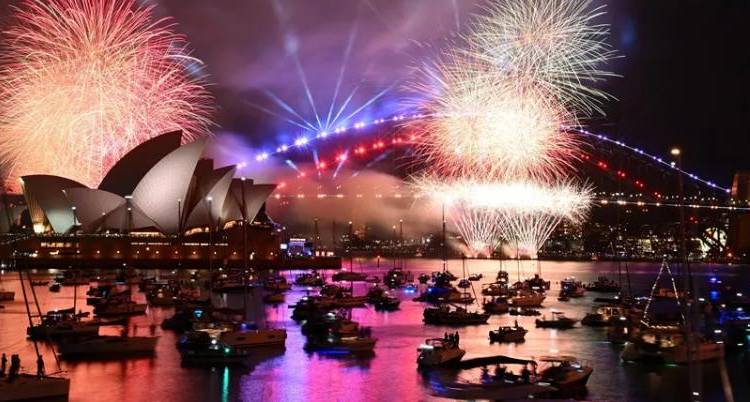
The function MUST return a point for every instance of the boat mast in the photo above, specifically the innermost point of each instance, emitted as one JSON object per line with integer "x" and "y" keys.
{"x": 444, "y": 243}
{"x": 244, "y": 252}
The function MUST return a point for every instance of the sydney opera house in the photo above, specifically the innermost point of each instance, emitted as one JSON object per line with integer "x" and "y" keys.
{"x": 161, "y": 205}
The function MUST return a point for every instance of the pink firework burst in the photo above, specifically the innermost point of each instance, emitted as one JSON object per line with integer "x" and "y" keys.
{"x": 84, "y": 81}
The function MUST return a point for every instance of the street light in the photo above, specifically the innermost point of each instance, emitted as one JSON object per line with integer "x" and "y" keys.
{"x": 675, "y": 151}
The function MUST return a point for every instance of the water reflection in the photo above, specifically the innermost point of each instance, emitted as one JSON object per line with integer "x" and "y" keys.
{"x": 391, "y": 374}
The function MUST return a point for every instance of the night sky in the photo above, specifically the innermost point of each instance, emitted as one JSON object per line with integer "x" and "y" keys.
{"x": 684, "y": 65}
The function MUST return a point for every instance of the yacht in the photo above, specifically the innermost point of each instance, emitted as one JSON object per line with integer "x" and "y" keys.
{"x": 7, "y": 295}
{"x": 565, "y": 373}
{"x": 527, "y": 299}
{"x": 570, "y": 287}
{"x": 515, "y": 333}
{"x": 443, "y": 315}
{"x": 495, "y": 289}
{"x": 558, "y": 320}
{"x": 277, "y": 284}
{"x": 128, "y": 307}
{"x": 669, "y": 345}
{"x": 524, "y": 311}
{"x": 348, "y": 276}
{"x": 603, "y": 285}
{"x": 603, "y": 316}
{"x": 199, "y": 348}
{"x": 32, "y": 387}
{"x": 310, "y": 279}
{"x": 107, "y": 346}
{"x": 439, "y": 352}
{"x": 51, "y": 329}
{"x": 387, "y": 303}
{"x": 497, "y": 305}
{"x": 245, "y": 336}
{"x": 396, "y": 277}
{"x": 358, "y": 344}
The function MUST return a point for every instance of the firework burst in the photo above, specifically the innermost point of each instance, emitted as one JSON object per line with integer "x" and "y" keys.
{"x": 476, "y": 123}
{"x": 551, "y": 45}
{"x": 523, "y": 213}
{"x": 84, "y": 81}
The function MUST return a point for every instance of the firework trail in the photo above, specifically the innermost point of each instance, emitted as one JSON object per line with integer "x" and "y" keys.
{"x": 523, "y": 213}
{"x": 84, "y": 81}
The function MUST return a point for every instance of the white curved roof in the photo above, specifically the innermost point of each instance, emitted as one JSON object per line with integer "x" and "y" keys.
{"x": 217, "y": 188}
{"x": 255, "y": 196}
{"x": 46, "y": 201}
{"x": 127, "y": 217}
{"x": 124, "y": 176}
{"x": 169, "y": 180}
{"x": 92, "y": 206}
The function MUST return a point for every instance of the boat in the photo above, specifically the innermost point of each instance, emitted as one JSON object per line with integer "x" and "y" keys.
{"x": 331, "y": 323}
{"x": 668, "y": 344}
{"x": 464, "y": 284}
{"x": 619, "y": 331}
{"x": 603, "y": 285}
{"x": 201, "y": 349}
{"x": 372, "y": 279}
{"x": 396, "y": 277}
{"x": 527, "y": 299}
{"x": 244, "y": 336}
{"x": 54, "y": 329}
{"x": 524, "y": 311}
{"x": 444, "y": 315}
{"x": 515, "y": 333}
{"x": 475, "y": 277}
{"x": 442, "y": 294}
{"x": 54, "y": 287}
{"x": 310, "y": 279}
{"x": 27, "y": 387}
{"x": 505, "y": 384}
{"x": 566, "y": 374}
{"x": 570, "y": 287}
{"x": 495, "y": 289}
{"x": 128, "y": 307}
{"x": 437, "y": 352}
{"x": 273, "y": 298}
{"x": 348, "y": 276}
{"x": 39, "y": 283}
{"x": 563, "y": 298}
{"x": 497, "y": 305}
{"x": 423, "y": 278}
{"x": 603, "y": 316}
{"x": 277, "y": 284}
{"x": 162, "y": 297}
{"x": 360, "y": 344}
{"x": 558, "y": 320}
{"x": 107, "y": 346}
{"x": 387, "y": 303}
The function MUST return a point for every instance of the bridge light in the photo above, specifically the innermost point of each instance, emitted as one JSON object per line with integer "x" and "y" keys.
{"x": 675, "y": 151}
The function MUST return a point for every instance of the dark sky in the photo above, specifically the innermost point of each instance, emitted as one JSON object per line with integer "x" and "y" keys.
{"x": 685, "y": 65}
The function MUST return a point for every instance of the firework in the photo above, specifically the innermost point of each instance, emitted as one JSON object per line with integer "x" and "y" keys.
{"x": 551, "y": 45}
{"x": 522, "y": 213}
{"x": 84, "y": 81}
{"x": 476, "y": 123}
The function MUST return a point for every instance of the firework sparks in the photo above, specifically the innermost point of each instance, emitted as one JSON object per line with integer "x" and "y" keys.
{"x": 84, "y": 81}
{"x": 552, "y": 45}
{"x": 479, "y": 124}
{"x": 522, "y": 213}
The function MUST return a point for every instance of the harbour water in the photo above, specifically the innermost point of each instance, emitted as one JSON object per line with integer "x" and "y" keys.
{"x": 391, "y": 374}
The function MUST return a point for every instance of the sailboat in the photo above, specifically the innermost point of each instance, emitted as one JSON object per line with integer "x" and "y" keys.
{"x": 26, "y": 386}
{"x": 667, "y": 341}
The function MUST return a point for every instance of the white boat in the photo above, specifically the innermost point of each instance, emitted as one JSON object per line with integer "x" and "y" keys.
{"x": 439, "y": 352}
{"x": 28, "y": 387}
{"x": 108, "y": 346}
